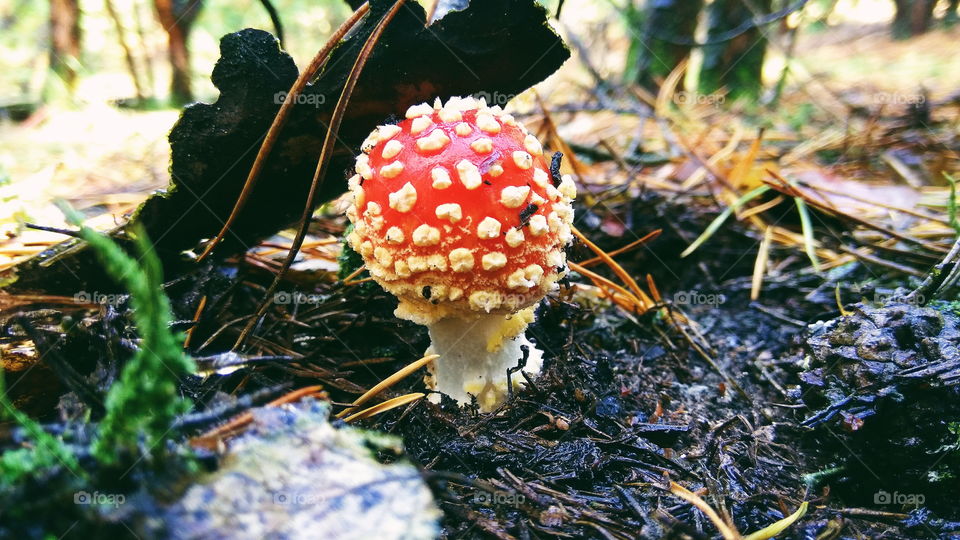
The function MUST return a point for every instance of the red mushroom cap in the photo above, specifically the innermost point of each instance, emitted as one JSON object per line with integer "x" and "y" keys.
{"x": 455, "y": 212}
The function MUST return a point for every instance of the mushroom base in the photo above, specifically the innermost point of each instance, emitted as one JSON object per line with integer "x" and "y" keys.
{"x": 475, "y": 354}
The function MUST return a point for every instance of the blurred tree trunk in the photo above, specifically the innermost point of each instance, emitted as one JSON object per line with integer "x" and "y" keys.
{"x": 147, "y": 53}
{"x": 127, "y": 52}
{"x": 675, "y": 20}
{"x": 912, "y": 17}
{"x": 65, "y": 41}
{"x": 735, "y": 64}
{"x": 177, "y": 18}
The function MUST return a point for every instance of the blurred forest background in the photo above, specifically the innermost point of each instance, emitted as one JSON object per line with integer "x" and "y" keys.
{"x": 90, "y": 87}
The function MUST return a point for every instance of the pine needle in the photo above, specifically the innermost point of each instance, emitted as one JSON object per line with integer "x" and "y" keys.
{"x": 760, "y": 266}
{"x": 636, "y": 243}
{"x": 388, "y": 382}
{"x": 808, "y": 242}
{"x": 280, "y": 119}
{"x": 719, "y": 220}
{"x": 615, "y": 266}
{"x": 778, "y": 527}
{"x": 323, "y": 162}
{"x": 385, "y": 406}
{"x": 349, "y": 279}
{"x": 726, "y": 530}
{"x": 238, "y": 423}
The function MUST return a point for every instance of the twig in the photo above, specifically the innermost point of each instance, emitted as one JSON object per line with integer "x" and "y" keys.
{"x": 279, "y": 121}
{"x": 319, "y": 174}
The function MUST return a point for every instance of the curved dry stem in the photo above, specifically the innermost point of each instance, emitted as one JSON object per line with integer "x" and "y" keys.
{"x": 387, "y": 383}
{"x": 278, "y": 122}
{"x": 385, "y": 406}
{"x": 332, "y": 129}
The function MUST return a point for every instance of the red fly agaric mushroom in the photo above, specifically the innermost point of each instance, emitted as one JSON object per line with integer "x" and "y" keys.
{"x": 456, "y": 213}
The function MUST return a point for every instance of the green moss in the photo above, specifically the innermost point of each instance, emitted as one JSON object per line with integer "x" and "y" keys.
{"x": 948, "y": 468}
{"x": 143, "y": 404}
{"x": 141, "y": 408}
{"x": 45, "y": 452}
{"x": 349, "y": 261}
{"x": 951, "y": 307}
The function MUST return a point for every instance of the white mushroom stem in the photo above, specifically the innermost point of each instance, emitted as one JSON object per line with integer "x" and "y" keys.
{"x": 476, "y": 353}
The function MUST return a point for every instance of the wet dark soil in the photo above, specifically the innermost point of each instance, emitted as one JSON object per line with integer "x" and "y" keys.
{"x": 738, "y": 400}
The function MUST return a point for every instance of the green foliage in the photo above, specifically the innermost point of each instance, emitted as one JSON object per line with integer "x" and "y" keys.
{"x": 632, "y": 17}
{"x": 944, "y": 306}
{"x": 801, "y": 116}
{"x": 349, "y": 261}
{"x": 142, "y": 405}
{"x": 47, "y": 451}
{"x": 952, "y": 202}
{"x": 736, "y": 64}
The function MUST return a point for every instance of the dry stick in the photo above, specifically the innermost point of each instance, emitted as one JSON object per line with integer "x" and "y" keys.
{"x": 931, "y": 284}
{"x": 332, "y": 129}
{"x": 278, "y": 122}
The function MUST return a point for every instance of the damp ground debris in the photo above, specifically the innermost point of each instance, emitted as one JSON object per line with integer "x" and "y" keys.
{"x": 758, "y": 337}
{"x": 734, "y": 399}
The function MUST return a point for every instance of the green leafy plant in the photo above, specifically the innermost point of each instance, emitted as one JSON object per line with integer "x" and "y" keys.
{"x": 45, "y": 452}
{"x": 141, "y": 408}
{"x": 143, "y": 404}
